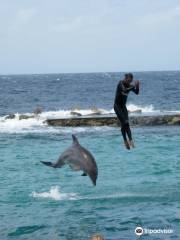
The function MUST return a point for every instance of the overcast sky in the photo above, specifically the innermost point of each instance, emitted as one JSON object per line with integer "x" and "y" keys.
{"x": 43, "y": 36}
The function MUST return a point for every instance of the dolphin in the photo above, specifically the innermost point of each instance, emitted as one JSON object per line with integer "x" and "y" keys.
{"x": 79, "y": 159}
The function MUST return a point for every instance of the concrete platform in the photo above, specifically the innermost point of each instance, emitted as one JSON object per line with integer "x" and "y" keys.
{"x": 107, "y": 120}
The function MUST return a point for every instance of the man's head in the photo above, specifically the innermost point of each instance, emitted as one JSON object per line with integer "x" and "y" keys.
{"x": 97, "y": 237}
{"x": 128, "y": 78}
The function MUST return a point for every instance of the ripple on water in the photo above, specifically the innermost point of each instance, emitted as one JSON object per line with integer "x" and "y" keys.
{"x": 26, "y": 230}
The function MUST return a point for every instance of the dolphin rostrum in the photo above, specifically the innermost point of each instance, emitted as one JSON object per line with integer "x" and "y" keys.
{"x": 78, "y": 158}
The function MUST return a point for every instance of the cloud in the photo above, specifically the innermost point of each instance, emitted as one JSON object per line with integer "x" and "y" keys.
{"x": 22, "y": 18}
{"x": 65, "y": 24}
{"x": 89, "y": 34}
{"x": 26, "y": 14}
{"x": 161, "y": 17}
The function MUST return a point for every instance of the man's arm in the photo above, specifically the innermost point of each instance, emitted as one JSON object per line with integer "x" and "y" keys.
{"x": 119, "y": 87}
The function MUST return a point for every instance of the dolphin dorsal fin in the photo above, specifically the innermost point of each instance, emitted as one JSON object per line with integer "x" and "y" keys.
{"x": 75, "y": 140}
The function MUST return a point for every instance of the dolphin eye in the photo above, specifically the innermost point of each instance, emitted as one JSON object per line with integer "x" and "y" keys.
{"x": 85, "y": 155}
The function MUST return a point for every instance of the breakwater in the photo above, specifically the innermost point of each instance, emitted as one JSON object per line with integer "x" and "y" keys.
{"x": 106, "y": 120}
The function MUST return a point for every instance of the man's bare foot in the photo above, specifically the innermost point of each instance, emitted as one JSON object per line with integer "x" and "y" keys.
{"x": 131, "y": 143}
{"x": 127, "y": 145}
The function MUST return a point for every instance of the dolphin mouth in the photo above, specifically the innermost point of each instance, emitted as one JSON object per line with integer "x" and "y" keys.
{"x": 93, "y": 179}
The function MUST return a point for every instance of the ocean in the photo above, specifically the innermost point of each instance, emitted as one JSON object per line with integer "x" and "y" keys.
{"x": 134, "y": 188}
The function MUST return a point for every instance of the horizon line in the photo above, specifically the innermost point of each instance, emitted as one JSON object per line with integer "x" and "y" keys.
{"x": 49, "y": 73}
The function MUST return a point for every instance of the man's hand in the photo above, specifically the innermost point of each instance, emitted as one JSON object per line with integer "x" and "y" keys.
{"x": 137, "y": 83}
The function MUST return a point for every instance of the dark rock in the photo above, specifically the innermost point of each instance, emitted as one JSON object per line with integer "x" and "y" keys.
{"x": 75, "y": 113}
{"x": 23, "y": 116}
{"x": 38, "y": 111}
{"x": 10, "y": 116}
{"x": 175, "y": 120}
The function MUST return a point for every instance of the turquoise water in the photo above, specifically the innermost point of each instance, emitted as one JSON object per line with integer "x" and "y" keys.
{"x": 134, "y": 188}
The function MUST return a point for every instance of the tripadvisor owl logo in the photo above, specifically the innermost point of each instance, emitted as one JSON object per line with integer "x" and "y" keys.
{"x": 139, "y": 231}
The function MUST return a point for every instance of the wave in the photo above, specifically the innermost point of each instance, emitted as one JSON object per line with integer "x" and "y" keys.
{"x": 25, "y": 230}
{"x": 23, "y": 123}
{"x": 34, "y": 125}
{"x": 55, "y": 194}
{"x": 99, "y": 111}
{"x": 144, "y": 109}
{"x": 16, "y": 125}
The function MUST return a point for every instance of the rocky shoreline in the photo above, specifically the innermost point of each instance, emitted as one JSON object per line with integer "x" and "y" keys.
{"x": 105, "y": 120}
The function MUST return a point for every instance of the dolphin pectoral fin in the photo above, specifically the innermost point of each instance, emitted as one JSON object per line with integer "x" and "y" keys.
{"x": 50, "y": 164}
{"x": 84, "y": 174}
{"x": 74, "y": 167}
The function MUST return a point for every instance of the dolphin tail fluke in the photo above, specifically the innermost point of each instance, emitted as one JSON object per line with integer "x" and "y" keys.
{"x": 50, "y": 164}
{"x": 75, "y": 140}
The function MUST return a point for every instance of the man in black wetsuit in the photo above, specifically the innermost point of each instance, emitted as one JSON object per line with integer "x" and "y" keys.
{"x": 123, "y": 88}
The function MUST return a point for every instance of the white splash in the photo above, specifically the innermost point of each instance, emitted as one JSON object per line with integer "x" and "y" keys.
{"x": 55, "y": 194}
{"x": 68, "y": 113}
{"x": 144, "y": 109}
{"x": 16, "y": 125}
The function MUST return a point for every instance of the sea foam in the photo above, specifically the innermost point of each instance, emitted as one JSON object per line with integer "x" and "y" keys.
{"x": 55, "y": 194}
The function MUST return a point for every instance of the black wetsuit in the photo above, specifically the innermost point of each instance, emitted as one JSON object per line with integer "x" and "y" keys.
{"x": 120, "y": 107}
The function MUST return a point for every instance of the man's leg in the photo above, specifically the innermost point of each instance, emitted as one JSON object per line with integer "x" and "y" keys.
{"x": 127, "y": 128}
{"x": 128, "y": 131}
{"x": 120, "y": 117}
{"x": 123, "y": 131}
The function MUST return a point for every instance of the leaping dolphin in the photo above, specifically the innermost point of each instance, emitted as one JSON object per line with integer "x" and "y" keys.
{"x": 78, "y": 158}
